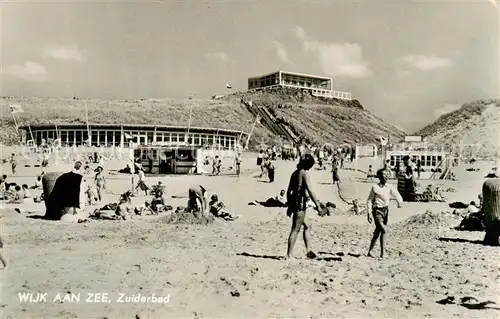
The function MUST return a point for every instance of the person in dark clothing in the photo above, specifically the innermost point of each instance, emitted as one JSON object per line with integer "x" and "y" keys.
{"x": 270, "y": 171}
{"x": 298, "y": 189}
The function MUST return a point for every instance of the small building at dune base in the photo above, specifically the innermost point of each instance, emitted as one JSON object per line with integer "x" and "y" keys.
{"x": 126, "y": 135}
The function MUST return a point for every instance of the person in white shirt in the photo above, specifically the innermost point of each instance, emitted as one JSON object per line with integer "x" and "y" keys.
{"x": 142, "y": 181}
{"x": 378, "y": 206}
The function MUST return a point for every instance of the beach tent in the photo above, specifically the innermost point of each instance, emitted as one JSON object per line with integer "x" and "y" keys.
{"x": 61, "y": 191}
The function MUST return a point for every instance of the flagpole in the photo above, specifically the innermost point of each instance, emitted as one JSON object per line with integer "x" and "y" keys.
{"x": 87, "y": 120}
{"x": 251, "y": 131}
{"x": 189, "y": 122}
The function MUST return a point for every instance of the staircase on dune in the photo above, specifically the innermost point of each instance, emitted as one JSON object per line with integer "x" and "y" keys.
{"x": 277, "y": 127}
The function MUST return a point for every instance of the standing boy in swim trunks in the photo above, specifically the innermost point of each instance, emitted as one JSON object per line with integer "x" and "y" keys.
{"x": 378, "y": 206}
{"x": 299, "y": 185}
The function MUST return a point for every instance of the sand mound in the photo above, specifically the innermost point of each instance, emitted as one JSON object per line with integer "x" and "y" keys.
{"x": 430, "y": 219}
{"x": 186, "y": 217}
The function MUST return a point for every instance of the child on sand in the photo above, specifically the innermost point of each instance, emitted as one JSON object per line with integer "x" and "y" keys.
{"x": 100, "y": 182}
{"x": 298, "y": 189}
{"x": 13, "y": 163}
{"x": 26, "y": 191}
{"x": 369, "y": 175}
{"x": 216, "y": 165}
{"x": 378, "y": 206}
{"x": 237, "y": 163}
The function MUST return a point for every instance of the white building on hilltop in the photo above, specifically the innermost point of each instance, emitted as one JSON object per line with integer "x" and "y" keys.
{"x": 318, "y": 85}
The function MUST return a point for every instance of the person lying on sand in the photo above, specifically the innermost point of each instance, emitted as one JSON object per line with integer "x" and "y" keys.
{"x": 197, "y": 201}
{"x": 378, "y": 206}
{"x": 217, "y": 209}
{"x": 278, "y": 201}
{"x": 298, "y": 189}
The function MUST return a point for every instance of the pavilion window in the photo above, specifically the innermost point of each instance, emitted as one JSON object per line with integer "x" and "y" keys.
{"x": 174, "y": 137}
{"x": 64, "y": 137}
{"x": 95, "y": 138}
{"x": 182, "y": 138}
{"x": 110, "y": 138}
{"x": 150, "y": 137}
{"x": 196, "y": 139}
{"x": 78, "y": 137}
{"x": 434, "y": 163}
{"x": 117, "y": 136}
{"x": 102, "y": 138}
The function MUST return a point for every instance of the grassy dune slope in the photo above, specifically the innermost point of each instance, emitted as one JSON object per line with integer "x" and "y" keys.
{"x": 323, "y": 120}
{"x": 474, "y": 123}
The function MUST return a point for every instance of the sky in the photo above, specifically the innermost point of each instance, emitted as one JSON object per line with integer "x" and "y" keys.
{"x": 407, "y": 62}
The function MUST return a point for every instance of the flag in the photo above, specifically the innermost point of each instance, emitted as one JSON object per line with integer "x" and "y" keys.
{"x": 383, "y": 141}
{"x": 128, "y": 136}
{"x": 16, "y": 109}
{"x": 229, "y": 86}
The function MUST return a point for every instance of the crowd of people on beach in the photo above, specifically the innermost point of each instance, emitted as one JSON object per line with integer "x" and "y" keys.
{"x": 297, "y": 198}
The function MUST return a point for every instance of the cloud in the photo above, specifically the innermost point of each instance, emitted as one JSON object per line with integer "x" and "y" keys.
{"x": 62, "y": 53}
{"x": 336, "y": 59}
{"x": 29, "y": 71}
{"x": 446, "y": 108}
{"x": 300, "y": 33}
{"x": 281, "y": 51}
{"x": 217, "y": 56}
{"x": 428, "y": 63}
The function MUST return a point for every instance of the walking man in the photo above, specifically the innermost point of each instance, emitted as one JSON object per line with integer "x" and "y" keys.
{"x": 378, "y": 206}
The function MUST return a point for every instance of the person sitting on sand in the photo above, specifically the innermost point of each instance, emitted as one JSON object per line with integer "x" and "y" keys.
{"x": 38, "y": 183}
{"x": 378, "y": 206}
{"x": 16, "y": 196}
{"x": 278, "y": 201}
{"x": 26, "y": 191}
{"x": 298, "y": 189}
{"x": 217, "y": 209}
{"x": 197, "y": 201}
{"x": 158, "y": 202}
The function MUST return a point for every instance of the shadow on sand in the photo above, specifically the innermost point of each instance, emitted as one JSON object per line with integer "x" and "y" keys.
{"x": 37, "y": 217}
{"x": 283, "y": 258}
{"x": 340, "y": 254}
{"x": 461, "y": 240}
{"x": 261, "y": 256}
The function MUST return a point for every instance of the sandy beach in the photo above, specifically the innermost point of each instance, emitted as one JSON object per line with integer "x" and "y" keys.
{"x": 234, "y": 269}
